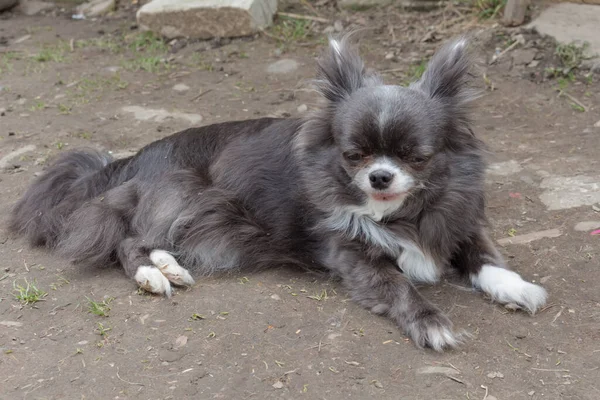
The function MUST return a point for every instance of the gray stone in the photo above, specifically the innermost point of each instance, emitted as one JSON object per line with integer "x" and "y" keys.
{"x": 530, "y": 237}
{"x": 420, "y": 5}
{"x": 524, "y": 56}
{"x": 6, "y": 161}
{"x": 585, "y": 226}
{"x": 597, "y": 124}
{"x": 7, "y": 4}
{"x": 567, "y": 23}
{"x": 32, "y": 7}
{"x": 284, "y": 66}
{"x": 362, "y": 4}
{"x": 181, "y": 87}
{"x": 562, "y": 192}
{"x": 505, "y": 168}
{"x": 302, "y": 108}
{"x": 204, "y": 19}
{"x": 96, "y": 8}
{"x": 160, "y": 115}
{"x": 592, "y": 65}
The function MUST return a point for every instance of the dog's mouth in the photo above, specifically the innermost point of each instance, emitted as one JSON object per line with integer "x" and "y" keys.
{"x": 387, "y": 196}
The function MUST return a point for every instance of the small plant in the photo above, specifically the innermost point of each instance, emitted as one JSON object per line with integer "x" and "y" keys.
{"x": 64, "y": 109}
{"x": 571, "y": 55}
{"x": 320, "y": 297}
{"x": 148, "y": 41}
{"x": 416, "y": 71}
{"x": 103, "y": 330}
{"x": 29, "y": 293}
{"x": 291, "y": 30}
{"x": 488, "y": 9}
{"x": 197, "y": 317}
{"x": 39, "y": 105}
{"x": 577, "y": 107}
{"x": 100, "y": 309}
{"x": 54, "y": 53}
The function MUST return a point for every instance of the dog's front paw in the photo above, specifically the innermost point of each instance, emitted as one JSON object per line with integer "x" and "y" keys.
{"x": 506, "y": 287}
{"x": 433, "y": 329}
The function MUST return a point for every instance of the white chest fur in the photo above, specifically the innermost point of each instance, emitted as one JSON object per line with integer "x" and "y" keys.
{"x": 362, "y": 222}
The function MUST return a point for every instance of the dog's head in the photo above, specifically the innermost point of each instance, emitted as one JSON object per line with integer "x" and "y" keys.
{"x": 389, "y": 140}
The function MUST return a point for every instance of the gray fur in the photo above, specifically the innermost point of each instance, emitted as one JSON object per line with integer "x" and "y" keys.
{"x": 271, "y": 192}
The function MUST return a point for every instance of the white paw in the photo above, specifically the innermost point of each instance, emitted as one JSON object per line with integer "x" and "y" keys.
{"x": 152, "y": 280}
{"x": 440, "y": 338}
{"x": 506, "y": 286}
{"x": 170, "y": 268}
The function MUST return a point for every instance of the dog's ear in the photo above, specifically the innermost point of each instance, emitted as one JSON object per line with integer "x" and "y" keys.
{"x": 340, "y": 71}
{"x": 447, "y": 74}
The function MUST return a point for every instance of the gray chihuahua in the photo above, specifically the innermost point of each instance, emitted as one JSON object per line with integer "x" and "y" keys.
{"x": 382, "y": 187}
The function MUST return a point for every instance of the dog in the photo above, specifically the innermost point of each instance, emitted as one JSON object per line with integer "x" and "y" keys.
{"x": 382, "y": 187}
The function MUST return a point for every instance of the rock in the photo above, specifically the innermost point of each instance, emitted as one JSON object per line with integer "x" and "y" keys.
{"x": 6, "y": 161}
{"x": 597, "y": 124}
{"x": 14, "y": 324}
{"x": 530, "y": 237}
{"x": 338, "y": 26}
{"x": 514, "y": 12}
{"x": 358, "y": 5}
{"x": 181, "y": 87}
{"x": 302, "y": 108}
{"x": 284, "y": 66}
{"x": 420, "y": 5}
{"x": 96, "y": 8}
{"x": 493, "y": 375}
{"x": 524, "y": 56}
{"x": 205, "y": 19}
{"x": 32, "y": 7}
{"x": 169, "y": 355}
{"x": 275, "y": 297}
{"x": 505, "y": 168}
{"x": 278, "y": 385}
{"x": 585, "y": 226}
{"x": 160, "y": 115}
{"x": 533, "y": 64}
{"x": 567, "y": 23}
{"x": 562, "y": 192}
{"x": 7, "y": 4}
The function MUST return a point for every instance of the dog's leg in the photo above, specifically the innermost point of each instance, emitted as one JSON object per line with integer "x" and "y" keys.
{"x": 380, "y": 287}
{"x": 153, "y": 272}
{"x": 480, "y": 261}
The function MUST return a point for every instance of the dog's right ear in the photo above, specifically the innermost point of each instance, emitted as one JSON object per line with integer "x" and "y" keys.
{"x": 340, "y": 71}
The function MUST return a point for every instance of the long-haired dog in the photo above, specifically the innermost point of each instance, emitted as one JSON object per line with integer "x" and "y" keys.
{"x": 383, "y": 187}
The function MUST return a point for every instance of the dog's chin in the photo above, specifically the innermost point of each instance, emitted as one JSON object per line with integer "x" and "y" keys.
{"x": 387, "y": 197}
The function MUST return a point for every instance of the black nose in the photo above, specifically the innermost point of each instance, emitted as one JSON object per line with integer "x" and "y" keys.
{"x": 381, "y": 179}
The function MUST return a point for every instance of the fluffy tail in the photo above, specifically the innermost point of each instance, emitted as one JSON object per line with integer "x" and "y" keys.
{"x": 73, "y": 179}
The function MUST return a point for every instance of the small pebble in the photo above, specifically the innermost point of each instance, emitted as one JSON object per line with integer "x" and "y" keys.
{"x": 302, "y": 108}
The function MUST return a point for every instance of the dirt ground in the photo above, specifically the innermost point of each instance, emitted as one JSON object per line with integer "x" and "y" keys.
{"x": 285, "y": 334}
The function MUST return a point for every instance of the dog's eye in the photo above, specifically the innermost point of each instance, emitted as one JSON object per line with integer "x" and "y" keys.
{"x": 419, "y": 160}
{"x": 354, "y": 156}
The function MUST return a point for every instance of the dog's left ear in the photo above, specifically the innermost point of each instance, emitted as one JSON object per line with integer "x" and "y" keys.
{"x": 341, "y": 71}
{"x": 447, "y": 74}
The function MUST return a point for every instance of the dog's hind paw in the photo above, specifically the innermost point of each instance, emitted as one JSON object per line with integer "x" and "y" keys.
{"x": 152, "y": 280}
{"x": 170, "y": 268}
{"x": 435, "y": 331}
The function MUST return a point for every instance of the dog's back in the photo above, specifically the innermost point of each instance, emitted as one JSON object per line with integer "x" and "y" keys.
{"x": 183, "y": 193}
